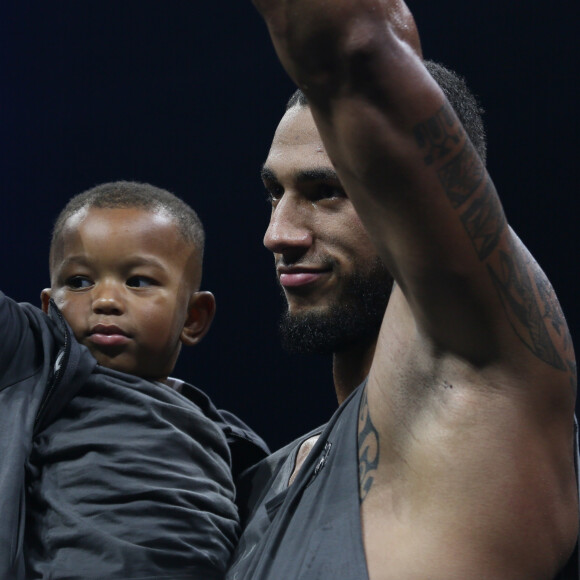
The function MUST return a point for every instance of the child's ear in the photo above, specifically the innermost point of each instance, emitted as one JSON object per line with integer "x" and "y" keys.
{"x": 45, "y": 299}
{"x": 200, "y": 316}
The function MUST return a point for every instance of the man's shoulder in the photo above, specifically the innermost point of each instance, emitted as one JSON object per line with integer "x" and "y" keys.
{"x": 268, "y": 476}
{"x": 272, "y": 463}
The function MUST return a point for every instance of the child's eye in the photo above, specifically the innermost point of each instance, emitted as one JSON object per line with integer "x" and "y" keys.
{"x": 140, "y": 282}
{"x": 77, "y": 282}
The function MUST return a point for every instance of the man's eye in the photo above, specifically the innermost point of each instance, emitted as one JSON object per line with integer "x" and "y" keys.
{"x": 327, "y": 191}
{"x": 273, "y": 194}
{"x": 140, "y": 282}
{"x": 79, "y": 282}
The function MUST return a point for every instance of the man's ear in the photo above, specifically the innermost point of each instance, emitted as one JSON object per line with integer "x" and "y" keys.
{"x": 45, "y": 299}
{"x": 200, "y": 316}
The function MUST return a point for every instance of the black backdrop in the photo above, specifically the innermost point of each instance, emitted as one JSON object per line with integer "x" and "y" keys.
{"x": 186, "y": 95}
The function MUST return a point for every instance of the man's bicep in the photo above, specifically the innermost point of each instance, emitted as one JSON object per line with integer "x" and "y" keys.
{"x": 531, "y": 307}
{"x": 433, "y": 212}
{"x": 423, "y": 195}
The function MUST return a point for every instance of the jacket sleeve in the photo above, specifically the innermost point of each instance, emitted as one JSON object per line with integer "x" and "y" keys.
{"x": 20, "y": 350}
{"x": 27, "y": 348}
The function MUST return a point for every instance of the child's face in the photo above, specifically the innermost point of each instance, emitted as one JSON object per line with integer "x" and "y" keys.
{"x": 124, "y": 281}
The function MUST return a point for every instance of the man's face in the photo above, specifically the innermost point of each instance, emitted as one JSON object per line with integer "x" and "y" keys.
{"x": 122, "y": 278}
{"x": 325, "y": 262}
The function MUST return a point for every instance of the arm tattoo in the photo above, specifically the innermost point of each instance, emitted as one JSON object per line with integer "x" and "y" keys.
{"x": 525, "y": 294}
{"x": 531, "y": 317}
{"x": 368, "y": 448}
{"x": 472, "y": 193}
{"x": 464, "y": 180}
{"x": 438, "y": 135}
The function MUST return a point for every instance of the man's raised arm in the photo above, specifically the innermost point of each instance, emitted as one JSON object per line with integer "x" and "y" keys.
{"x": 474, "y": 369}
{"x": 416, "y": 181}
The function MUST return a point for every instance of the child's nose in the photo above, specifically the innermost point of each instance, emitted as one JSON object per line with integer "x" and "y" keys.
{"x": 107, "y": 299}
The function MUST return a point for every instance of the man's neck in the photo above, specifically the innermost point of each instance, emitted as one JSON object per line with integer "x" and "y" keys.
{"x": 350, "y": 367}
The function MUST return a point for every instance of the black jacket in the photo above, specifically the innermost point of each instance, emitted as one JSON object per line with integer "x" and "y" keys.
{"x": 103, "y": 474}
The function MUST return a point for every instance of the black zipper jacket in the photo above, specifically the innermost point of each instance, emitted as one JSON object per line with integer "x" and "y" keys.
{"x": 106, "y": 475}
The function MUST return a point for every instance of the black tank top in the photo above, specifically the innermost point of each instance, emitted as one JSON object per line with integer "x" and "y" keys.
{"x": 312, "y": 530}
{"x": 313, "y": 527}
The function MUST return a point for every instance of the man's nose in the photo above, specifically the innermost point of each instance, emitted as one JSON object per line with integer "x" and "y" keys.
{"x": 290, "y": 227}
{"x": 107, "y": 298}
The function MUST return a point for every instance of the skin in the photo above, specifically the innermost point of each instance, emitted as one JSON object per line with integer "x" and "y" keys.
{"x": 314, "y": 232}
{"x": 135, "y": 308}
{"x": 466, "y": 426}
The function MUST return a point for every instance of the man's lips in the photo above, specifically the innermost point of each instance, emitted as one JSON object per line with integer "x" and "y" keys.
{"x": 295, "y": 277}
{"x": 108, "y": 335}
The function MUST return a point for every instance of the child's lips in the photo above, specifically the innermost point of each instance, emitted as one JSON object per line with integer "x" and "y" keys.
{"x": 108, "y": 335}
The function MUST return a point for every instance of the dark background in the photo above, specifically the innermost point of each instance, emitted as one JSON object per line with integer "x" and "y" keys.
{"x": 186, "y": 95}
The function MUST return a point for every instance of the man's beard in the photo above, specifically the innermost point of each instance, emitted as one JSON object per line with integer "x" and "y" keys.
{"x": 354, "y": 318}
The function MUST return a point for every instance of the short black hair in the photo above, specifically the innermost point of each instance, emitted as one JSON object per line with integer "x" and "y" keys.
{"x": 132, "y": 194}
{"x": 464, "y": 103}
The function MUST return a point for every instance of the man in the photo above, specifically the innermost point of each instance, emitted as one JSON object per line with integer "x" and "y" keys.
{"x": 459, "y": 441}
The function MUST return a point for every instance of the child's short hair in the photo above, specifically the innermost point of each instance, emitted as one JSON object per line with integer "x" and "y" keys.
{"x": 131, "y": 194}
